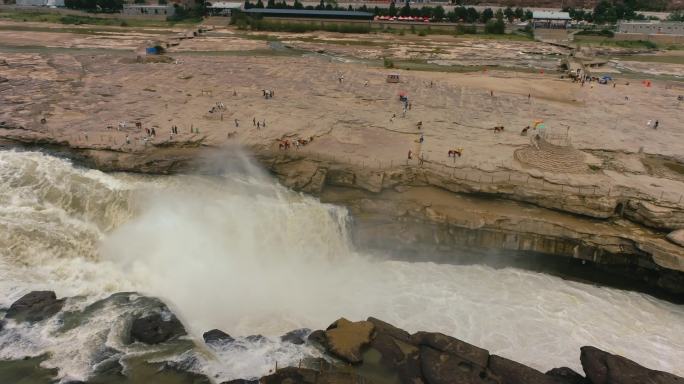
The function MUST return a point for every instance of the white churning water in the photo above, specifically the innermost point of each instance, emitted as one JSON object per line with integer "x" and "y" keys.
{"x": 244, "y": 255}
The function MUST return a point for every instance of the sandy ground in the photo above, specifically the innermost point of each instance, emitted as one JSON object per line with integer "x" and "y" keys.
{"x": 86, "y": 94}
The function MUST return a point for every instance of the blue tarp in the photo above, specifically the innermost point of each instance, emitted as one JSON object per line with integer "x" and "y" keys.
{"x": 151, "y": 51}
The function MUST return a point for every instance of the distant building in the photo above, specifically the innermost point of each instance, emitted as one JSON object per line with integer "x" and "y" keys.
{"x": 551, "y": 20}
{"x": 652, "y": 28}
{"x": 222, "y": 8}
{"x": 148, "y": 10}
{"x": 40, "y": 3}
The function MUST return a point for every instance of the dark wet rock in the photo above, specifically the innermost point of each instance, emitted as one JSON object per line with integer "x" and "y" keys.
{"x": 154, "y": 329}
{"x": 565, "y": 375}
{"x": 217, "y": 336}
{"x": 389, "y": 329}
{"x": 443, "y": 368}
{"x": 511, "y": 372}
{"x": 397, "y": 356}
{"x": 297, "y": 336}
{"x": 318, "y": 337}
{"x": 605, "y": 368}
{"x": 27, "y": 370}
{"x": 170, "y": 372}
{"x": 451, "y": 346}
{"x": 108, "y": 368}
{"x": 291, "y": 375}
{"x": 346, "y": 339}
{"x": 2, "y": 325}
{"x": 241, "y": 381}
{"x": 255, "y": 338}
{"x": 35, "y": 306}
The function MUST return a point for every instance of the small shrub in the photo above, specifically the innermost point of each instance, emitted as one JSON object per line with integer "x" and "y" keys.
{"x": 422, "y": 33}
{"x": 387, "y": 62}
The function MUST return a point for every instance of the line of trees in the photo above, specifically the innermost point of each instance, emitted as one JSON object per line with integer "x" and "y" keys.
{"x": 438, "y": 13}
{"x": 610, "y": 12}
{"x": 95, "y": 5}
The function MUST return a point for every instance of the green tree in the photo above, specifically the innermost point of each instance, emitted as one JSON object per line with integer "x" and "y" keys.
{"x": 438, "y": 13}
{"x": 499, "y": 14}
{"x": 472, "y": 15}
{"x": 495, "y": 27}
{"x": 676, "y": 16}
{"x": 259, "y": 4}
{"x": 519, "y": 13}
{"x": 486, "y": 15}
{"x": 405, "y": 10}
{"x": 461, "y": 13}
{"x": 509, "y": 13}
{"x": 528, "y": 15}
{"x": 392, "y": 9}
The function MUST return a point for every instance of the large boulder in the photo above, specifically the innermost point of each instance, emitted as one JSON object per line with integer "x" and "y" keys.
{"x": 346, "y": 339}
{"x": 216, "y": 336}
{"x": 511, "y": 372}
{"x": 35, "y": 306}
{"x": 396, "y": 356}
{"x": 452, "y": 346}
{"x": 155, "y": 329}
{"x": 291, "y": 375}
{"x": 318, "y": 337}
{"x": 297, "y": 336}
{"x": 382, "y": 327}
{"x": 565, "y": 375}
{"x": 443, "y": 368}
{"x": 605, "y": 368}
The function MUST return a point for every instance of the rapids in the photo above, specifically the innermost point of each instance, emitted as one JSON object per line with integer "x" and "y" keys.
{"x": 245, "y": 255}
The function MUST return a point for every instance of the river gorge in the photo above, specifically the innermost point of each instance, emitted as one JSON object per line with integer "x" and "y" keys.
{"x": 239, "y": 252}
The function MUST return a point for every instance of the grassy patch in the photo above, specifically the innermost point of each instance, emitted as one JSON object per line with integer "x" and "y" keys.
{"x": 606, "y": 41}
{"x": 653, "y": 59}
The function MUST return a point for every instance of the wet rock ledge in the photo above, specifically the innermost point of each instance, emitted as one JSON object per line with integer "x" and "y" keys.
{"x": 370, "y": 351}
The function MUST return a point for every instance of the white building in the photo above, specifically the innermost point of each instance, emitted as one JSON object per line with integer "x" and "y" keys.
{"x": 652, "y": 28}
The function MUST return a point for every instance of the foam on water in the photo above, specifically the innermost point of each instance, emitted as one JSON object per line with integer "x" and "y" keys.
{"x": 244, "y": 255}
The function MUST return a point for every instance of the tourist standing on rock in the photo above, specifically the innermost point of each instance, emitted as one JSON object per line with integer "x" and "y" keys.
{"x": 263, "y": 124}
{"x": 237, "y": 123}
{"x": 655, "y": 126}
{"x": 128, "y": 140}
{"x": 648, "y": 124}
{"x": 254, "y": 121}
{"x": 421, "y": 139}
{"x": 258, "y": 125}
{"x": 410, "y": 155}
